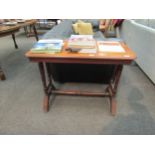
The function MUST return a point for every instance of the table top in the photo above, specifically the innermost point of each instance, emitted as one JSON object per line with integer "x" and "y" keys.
{"x": 8, "y": 28}
{"x": 127, "y": 55}
{"x": 27, "y": 22}
{"x": 5, "y": 29}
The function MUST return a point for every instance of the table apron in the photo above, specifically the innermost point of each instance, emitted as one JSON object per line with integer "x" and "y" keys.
{"x": 82, "y": 61}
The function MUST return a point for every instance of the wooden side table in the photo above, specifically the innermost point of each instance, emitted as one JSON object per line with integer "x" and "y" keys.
{"x": 5, "y": 31}
{"x": 65, "y": 57}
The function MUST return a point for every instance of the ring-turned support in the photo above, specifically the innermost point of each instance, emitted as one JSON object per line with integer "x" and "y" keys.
{"x": 2, "y": 75}
{"x": 50, "y": 89}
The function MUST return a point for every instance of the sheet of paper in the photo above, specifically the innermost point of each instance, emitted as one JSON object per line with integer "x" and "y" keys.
{"x": 81, "y": 36}
{"x": 111, "y": 48}
{"x": 87, "y": 51}
{"x": 82, "y": 43}
{"x": 50, "y": 41}
{"x": 108, "y": 42}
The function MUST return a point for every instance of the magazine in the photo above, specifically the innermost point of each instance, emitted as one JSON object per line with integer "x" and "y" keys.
{"x": 47, "y": 46}
{"x": 113, "y": 47}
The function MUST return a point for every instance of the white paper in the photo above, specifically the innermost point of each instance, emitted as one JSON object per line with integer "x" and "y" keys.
{"x": 111, "y": 48}
{"x": 87, "y": 51}
{"x": 50, "y": 41}
{"x": 108, "y": 42}
{"x": 81, "y": 36}
{"x": 88, "y": 44}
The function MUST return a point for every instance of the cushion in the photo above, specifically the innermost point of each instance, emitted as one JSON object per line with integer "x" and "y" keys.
{"x": 80, "y": 21}
{"x": 94, "y": 22}
{"x": 75, "y": 27}
{"x": 85, "y": 28}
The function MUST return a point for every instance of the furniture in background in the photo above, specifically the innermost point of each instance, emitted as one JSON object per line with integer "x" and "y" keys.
{"x": 27, "y": 23}
{"x": 5, "y": 31}
{"x": 139, "y": 35}
{"x": 31, "y": 24}
{"x": 103, "y": 24}
{"x": 47, "y": 23}
{"x": 107, "y": 26}
{"x": 11, "y": 30}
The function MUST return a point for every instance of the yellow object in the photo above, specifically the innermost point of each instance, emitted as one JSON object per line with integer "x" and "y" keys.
{"x": 75, "y": 27}
{"x": 85, "y": 28}
{"x": 80, "y": 21}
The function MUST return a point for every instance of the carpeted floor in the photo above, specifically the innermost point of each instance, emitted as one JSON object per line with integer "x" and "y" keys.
{"x": 21, "y": 98}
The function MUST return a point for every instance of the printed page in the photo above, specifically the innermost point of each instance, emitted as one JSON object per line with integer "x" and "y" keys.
{"x": 93, "y": 51}
{"x": 111, "y": 48}
{"x": 81, "y": 36}
{"x": 51, "y": 41}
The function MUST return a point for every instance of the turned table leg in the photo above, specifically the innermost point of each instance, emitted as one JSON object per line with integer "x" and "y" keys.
{"x": 112, "y": 88}
{"x": 43, "y": 77}
{"x": 112, "y": 101}
{"x": 112, "y": 106}
{"x": 2, "y": 76}
{"x": 117, "y": 75}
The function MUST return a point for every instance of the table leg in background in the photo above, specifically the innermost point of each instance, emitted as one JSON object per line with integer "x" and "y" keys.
{"x": 13, "y": 37}
{"x": 35, "y": 32}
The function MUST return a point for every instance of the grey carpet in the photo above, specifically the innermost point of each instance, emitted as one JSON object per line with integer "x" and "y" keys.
{"x": 21, "y": 98}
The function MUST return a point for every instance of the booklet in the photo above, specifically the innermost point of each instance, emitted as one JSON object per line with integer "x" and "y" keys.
{"x": 81, "y": 36}
{"x": 51, "y": 41}
{"x": 47, "y": 46}
{"x": 107, "y": 47}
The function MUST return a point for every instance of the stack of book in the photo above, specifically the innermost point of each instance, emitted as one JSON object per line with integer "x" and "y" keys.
{"x": 48, "y": 46}
{"x": 81, "y": 42}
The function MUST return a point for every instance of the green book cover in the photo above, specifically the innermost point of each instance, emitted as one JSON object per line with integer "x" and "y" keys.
{"x": 46, "y": 48}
